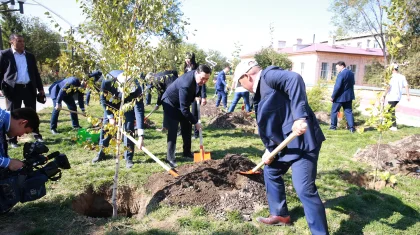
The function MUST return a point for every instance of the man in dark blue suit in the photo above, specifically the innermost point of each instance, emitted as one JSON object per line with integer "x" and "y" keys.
{"x": 282, "y": 108}
{"x": 343, "y": 95}
{"x": 160, "y": 82}
{"x": 64, "y": 90}
{"x": 96, "y": 79}
{"x": 112, "y": 86}
{"x": 176, "y": 102}
{"x": 221, "y": 86}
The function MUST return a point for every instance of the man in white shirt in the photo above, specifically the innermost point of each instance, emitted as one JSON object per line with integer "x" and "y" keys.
{"x": 20, "y": 79}
{"x": 394, "y": 92}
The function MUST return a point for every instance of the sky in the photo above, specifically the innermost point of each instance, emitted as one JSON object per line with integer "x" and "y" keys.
{"x": 221, "y": 23}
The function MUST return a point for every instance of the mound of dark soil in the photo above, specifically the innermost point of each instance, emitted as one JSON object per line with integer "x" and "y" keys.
{"x": 214, "y": 184}
{"x": 233, "y": 120}
{"x": 402, "y": 156}
{"x": 210, "y": 109}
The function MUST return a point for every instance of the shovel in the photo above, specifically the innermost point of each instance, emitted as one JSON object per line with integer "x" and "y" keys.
{"x": 157, "y": 160}
{"x": 202, "y": 155}
{"x": 272, "y": 155}
{"x": 148, "y": 115}
{"x": 71, "y": 111}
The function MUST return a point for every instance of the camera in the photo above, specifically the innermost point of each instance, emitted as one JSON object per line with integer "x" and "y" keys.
{"x": 28, "y": 183}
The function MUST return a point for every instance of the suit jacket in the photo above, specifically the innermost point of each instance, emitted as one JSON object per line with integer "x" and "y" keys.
{"x": 8, "y": 72}
{"x": 110, "y": 86}
{"x": 281, "y": 98}
{"x": 221, "y": 81}
{"x": 58, "y": 90}
{"x": 161, "y": 82}
{"x": 181, "y": 93}
{"x": 344, "y": 87}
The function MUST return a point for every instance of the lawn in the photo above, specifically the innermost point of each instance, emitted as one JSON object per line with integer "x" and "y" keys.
{"x": 350, "y": 209}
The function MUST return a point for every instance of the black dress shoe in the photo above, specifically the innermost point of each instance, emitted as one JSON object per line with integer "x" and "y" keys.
{"x": 333, "y": 128}
{"x": 99, "y": 157}
{"x": 54, "y": 131}
{"x": 172, "y": 164}
{"x": 188, "y": 155}
{"x": 129, "y": 164}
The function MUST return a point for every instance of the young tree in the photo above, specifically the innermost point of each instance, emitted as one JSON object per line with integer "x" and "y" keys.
{"x": 123, "y": 32}
{"x": 361, "y": 17}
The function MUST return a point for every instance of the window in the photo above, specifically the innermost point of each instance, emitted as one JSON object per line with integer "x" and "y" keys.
{"x": 324, "y": 70}
{"x": 333, "y": 71}
{"x": 375, "y": 45}
{"x": 352, "y": 67}
{"x": 359, "y": 44}
{"x": 302, "y": 68}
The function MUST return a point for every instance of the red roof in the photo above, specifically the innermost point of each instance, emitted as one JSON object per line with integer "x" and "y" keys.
{"x": 323, "y": 47}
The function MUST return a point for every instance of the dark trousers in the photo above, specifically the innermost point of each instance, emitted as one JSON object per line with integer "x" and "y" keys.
{"x": 394, "y": 118}
{"x": 87, "y": 97}
{"x": 129, "y": 118}
{"x": 173, "y": 117}
{"x": 22, "y": 93}
{"x": 348, "y": 111}
{"x": 71, "y": 105}
{"x": 194, "y": 111}
{"x": 303, "y": 178}
{"x": 148, "y": 97}
{"x": 221, "y": 96}
{"x": 237, "y": 97}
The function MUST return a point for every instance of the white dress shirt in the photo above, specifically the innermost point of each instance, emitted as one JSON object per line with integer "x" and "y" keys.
{"x": 22, "y": 67}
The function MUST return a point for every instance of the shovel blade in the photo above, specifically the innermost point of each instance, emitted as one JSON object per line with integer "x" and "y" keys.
{"x": 198, "y": 157}
{"x": 250, "y": 172}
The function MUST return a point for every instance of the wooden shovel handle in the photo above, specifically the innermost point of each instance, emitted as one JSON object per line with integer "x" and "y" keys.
{"x": 273, "y": 154}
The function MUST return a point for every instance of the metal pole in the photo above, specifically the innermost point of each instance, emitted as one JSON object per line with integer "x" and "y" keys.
{"x": 1, "y": 39}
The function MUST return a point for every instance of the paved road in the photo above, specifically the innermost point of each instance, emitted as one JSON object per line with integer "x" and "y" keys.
{"x": 39, "y": 106}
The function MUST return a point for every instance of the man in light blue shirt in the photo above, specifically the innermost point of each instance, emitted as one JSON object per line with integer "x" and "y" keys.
{"x": 19, "y": 78}
{"x": 13, "y": 124}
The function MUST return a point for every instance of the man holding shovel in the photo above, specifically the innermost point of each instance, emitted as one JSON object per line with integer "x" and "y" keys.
{"x": 113, "y": 86}
{"x": 176, "y": 102}
{"x": 64, "y": 90}
{"x": 282, "y": 108}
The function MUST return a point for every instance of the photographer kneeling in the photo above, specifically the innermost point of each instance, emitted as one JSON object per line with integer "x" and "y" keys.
{"x": 23, "y": 181}
{"x": 14, "y": 124}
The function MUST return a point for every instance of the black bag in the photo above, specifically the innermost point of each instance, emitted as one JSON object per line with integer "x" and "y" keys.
{"x": 41, "y": 98}
{"x": 9, "y": 193}
{"x": 33, "y": 187}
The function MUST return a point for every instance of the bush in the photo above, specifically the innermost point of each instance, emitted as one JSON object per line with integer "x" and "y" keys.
{"x": 318, "y": 97}
{"x": 268, "y": 56}
{"x": 374, "y": 74}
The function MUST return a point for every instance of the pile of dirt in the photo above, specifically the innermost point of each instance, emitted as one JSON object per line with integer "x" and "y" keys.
{"x": 323, "y": 117}
{"x": 402, "y": 156}
{"x": 233, "y": 120}
{"x": 149, "y": 124}
{"x": 215, "y": 184}
{"x": 210, "y": 109}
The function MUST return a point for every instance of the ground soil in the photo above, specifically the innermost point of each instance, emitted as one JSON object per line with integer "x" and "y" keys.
{"x": 210, "y": 109}
{"x": 402, "y": 156}
{"x": 215, "y": 184}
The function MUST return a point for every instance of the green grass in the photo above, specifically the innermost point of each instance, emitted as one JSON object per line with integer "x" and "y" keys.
{"x": 350, "y": 209}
